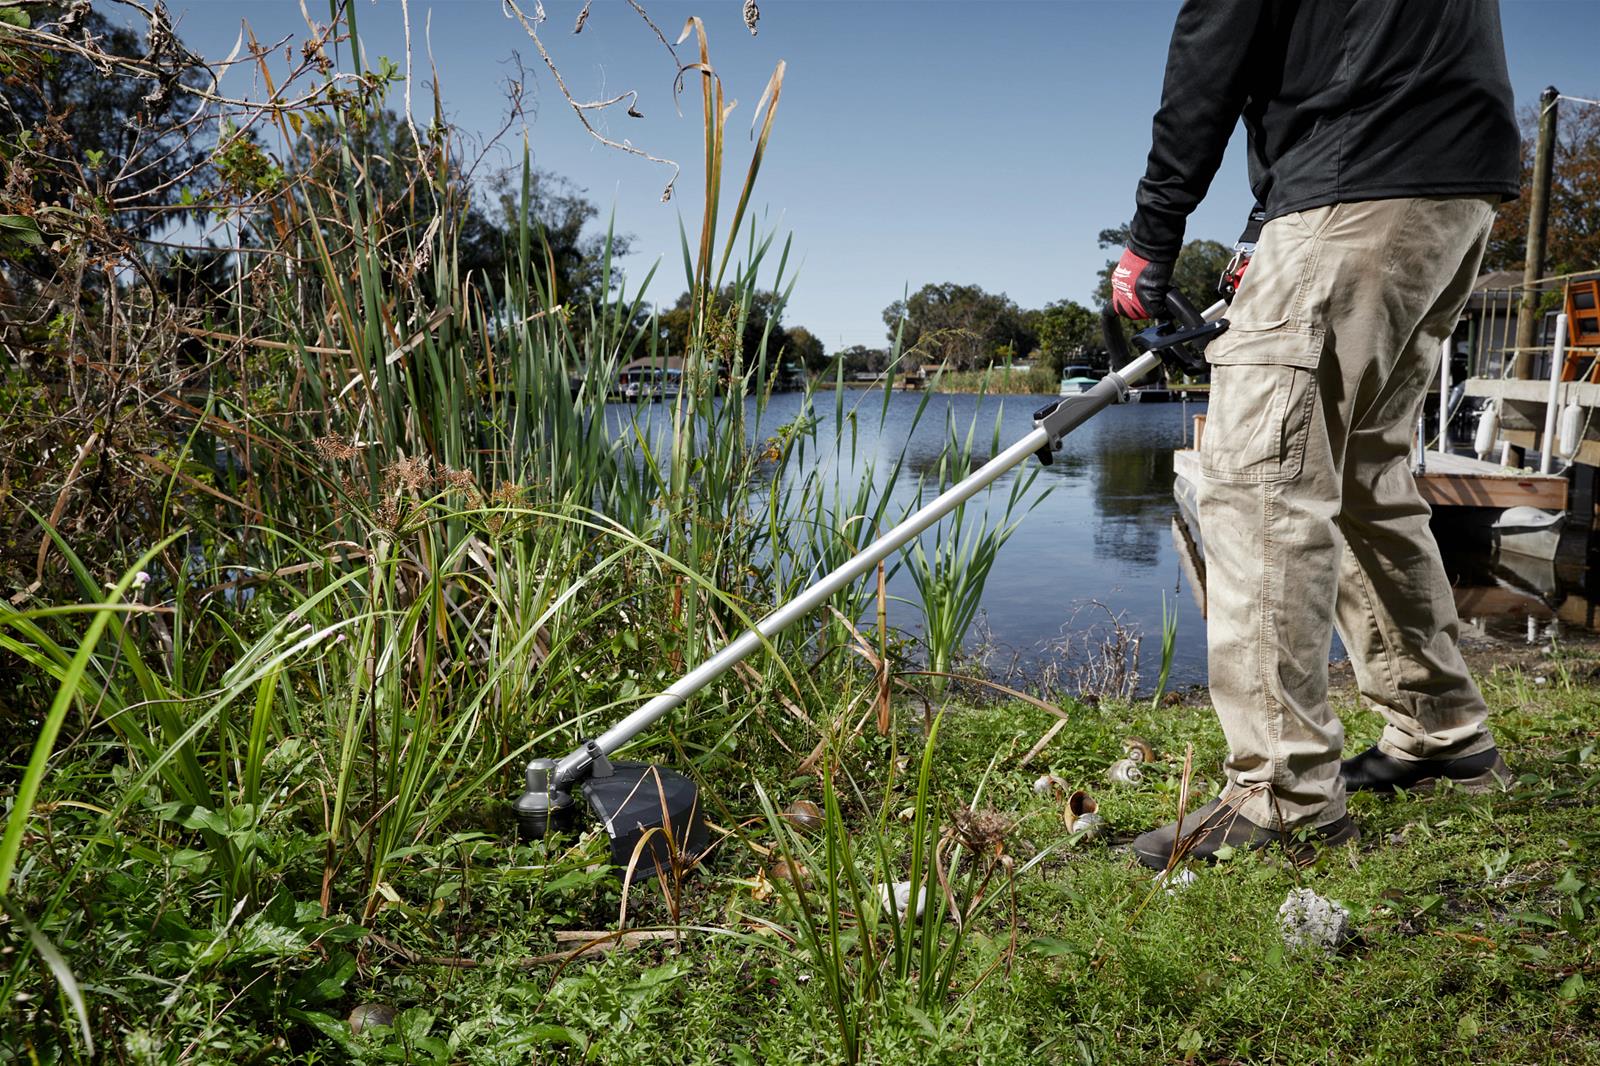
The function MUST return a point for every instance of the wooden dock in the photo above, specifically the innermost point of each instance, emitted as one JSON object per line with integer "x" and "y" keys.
{"x": 1521, "y": 587}
{"x": 1503, "y": 595}
{"x": 1464, "y": 481}
{"x": 1446, "y": 480}
{"x": 1522, "y": 404}
{"x": 1453, "y": 481}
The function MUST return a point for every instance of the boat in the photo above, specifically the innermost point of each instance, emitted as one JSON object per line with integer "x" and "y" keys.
{"x": 650, "y": 384}
{"x": 1529, "y": 531}
{"x": 1076, "y": 379}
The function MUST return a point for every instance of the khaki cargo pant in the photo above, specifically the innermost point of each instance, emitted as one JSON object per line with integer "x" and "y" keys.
{"x": 1308, "y": 508}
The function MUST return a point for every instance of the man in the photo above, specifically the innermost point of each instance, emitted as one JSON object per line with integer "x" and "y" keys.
{"x": 1381, "y": 137}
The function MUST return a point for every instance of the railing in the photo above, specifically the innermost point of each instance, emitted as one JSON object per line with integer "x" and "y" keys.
{"x": 1493, "y": 349}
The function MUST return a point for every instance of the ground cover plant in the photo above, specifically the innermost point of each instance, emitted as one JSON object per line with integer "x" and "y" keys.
{"x": 319, "y": 536}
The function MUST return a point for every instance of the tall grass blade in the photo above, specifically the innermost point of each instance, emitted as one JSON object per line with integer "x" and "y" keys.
{"x": 50, "y": 728}
{"x": 58, "y": 968}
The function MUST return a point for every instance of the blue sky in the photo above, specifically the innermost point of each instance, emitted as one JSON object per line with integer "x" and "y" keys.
{"x": 917, "y": 141}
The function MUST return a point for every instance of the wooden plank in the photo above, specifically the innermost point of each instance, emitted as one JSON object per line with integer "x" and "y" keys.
{"x": 1528, "y": 440}
{"x": 1580, "y": 611}
{"x": 1473, "y": 490}
{"x": 1186, "y": 464}
{"x": 1583, "y": 393}
{"x": 1462, "y": 481}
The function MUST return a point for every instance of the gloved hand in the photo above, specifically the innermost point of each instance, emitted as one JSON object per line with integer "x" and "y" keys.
{"x": 1139, "y": 286}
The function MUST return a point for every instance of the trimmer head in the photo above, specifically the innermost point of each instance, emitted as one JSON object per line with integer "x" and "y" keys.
{"x": 633, "y": 802}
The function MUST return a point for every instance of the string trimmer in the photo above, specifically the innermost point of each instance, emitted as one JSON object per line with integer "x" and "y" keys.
{"x": 640, "y": 804}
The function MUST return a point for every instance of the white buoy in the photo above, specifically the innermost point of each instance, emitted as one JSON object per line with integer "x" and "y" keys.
{"x": 1569, "y": 434}
{"x": 1488, "y": 432}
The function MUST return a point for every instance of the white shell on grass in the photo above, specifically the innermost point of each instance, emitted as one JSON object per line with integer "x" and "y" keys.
{"x": 1182, "y": 877}
{"x": 1124, "y": 772}
{"x": 1082, "y": 814}
{"x": 1089, "y": 825}
{"x": 900, "y": 893}
{"x": 1048, "y": 783}
{"x": 372, "y": 1016}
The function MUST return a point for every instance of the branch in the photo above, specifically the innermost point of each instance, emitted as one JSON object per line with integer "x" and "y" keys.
{"x": 596, "y": 105}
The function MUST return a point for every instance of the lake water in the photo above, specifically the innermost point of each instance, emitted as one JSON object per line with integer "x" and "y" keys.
{"x": 1095, "y": 559}
{"x": 1094, "y": 554}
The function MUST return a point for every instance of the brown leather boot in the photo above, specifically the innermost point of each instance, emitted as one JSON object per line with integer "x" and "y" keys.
{"x": 1215, "y": 824}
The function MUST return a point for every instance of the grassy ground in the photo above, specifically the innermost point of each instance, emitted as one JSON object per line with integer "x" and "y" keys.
{"x": 1474, "y": 937}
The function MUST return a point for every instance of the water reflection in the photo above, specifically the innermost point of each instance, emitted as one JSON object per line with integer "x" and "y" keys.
{"x": 1097, "y": 531}
{"x": 1515, "y": 597}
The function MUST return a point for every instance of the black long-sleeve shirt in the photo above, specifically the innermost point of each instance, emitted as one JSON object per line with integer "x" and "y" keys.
{"x": 1342, "y": 100}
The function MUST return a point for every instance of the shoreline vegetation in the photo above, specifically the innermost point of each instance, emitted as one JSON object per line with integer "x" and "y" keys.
{"x": 1035, "y": 381}
{"x": 314, "y": 543}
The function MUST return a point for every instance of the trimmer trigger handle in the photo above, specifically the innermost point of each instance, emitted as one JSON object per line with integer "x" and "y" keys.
{"x": 1046, "y": 452}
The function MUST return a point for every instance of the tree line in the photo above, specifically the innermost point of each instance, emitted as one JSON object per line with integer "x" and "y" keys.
{"x": 965, "y": 327}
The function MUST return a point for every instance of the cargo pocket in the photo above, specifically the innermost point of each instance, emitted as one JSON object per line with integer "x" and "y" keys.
{"x": 1263, "y": 385}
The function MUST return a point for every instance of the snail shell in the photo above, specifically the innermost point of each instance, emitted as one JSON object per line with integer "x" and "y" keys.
{"x": 1048, "y": 783}
{"x": 1089, "y": 825}
{"x": 803, "y": 814}
{"x": 371, "y": 1016}
{"x": 1124, "y": 772}
{"x": 1138, "y": 749}
{"x": 1082, "y": 814}
{"x": 899, "y": 895}
{"x": 789, "y": 870}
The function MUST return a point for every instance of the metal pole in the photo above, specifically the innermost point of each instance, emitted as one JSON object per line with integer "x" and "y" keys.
{"x": 1558, "y": 359}
{"x": 1112, "y": 388}
{"x": 1538, "y": 217}
{"x": 1444, "y": 396}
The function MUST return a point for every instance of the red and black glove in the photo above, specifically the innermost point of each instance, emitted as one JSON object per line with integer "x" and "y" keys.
{"x": 1139, "y": 286}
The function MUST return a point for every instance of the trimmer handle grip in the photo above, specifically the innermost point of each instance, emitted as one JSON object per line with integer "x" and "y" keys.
{"x": 1180, "y": 340}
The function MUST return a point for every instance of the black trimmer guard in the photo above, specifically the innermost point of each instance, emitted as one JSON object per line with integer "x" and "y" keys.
{"x": 642, "y": 801}
{"x": 633, "y": 801}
